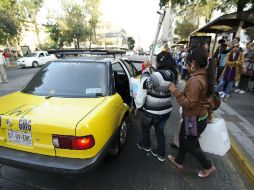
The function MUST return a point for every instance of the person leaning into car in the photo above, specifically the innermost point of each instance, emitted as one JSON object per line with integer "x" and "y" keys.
{"x": 157, "y": 107}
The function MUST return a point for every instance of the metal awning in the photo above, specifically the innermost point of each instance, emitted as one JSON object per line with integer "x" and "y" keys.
{"x": 228, "y": 23}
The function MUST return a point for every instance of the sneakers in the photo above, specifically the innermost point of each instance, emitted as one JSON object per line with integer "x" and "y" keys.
{"x": 241, "y": 92}
{"x": 221, "y": 92}
{"x": 224, "y": 96}
{"x": 147, "y": 149}
{"x": 237, "y": 90}
{"x": 160, "y": 158}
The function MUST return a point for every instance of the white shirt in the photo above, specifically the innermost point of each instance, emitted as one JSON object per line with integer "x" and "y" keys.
{"x": 2, "y": 59}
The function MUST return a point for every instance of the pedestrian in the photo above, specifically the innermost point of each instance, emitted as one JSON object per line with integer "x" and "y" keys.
{"x": 6, "y": 55}
{"x": 166, "y": 57}
{"x": 3, "y": 75}
{"x": 221, "y": 59}
{"x": 248, "y": 69}
{"x": 157, "y": 107}
{"x": 146, "y": 64}
{"x": 194, "y": 102}
{"x": 183, "y": 64}
{"x": 232, "y": 72}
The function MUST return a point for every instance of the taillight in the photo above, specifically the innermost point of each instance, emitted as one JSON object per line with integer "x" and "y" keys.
{"x": 73, "y": 142}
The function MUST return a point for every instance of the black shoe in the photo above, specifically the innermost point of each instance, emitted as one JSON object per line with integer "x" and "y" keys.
{"x": 147, "y": 149}
{"x": 160, "y": 158}
{"x": 173, "y": 145}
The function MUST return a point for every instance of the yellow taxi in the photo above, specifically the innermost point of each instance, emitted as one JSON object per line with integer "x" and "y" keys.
{"x": 68, "y": 117}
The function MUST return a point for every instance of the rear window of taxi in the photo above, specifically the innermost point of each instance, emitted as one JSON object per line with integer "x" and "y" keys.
{"x": 69, "y": 79}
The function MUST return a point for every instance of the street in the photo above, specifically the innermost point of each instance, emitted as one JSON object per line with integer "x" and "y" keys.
{"x": 132, "y": 169}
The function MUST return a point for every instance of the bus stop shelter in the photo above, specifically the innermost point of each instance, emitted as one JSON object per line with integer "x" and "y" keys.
{"x": 228, "y": 23}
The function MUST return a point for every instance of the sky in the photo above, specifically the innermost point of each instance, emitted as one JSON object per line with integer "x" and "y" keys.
{"x": 139, "y": 18}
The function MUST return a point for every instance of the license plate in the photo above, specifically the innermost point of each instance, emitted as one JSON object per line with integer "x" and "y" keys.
{"x": 23, "y": 138}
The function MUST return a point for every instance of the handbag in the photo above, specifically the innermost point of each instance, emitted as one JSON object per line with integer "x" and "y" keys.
{"x": 214, "y": 138}
{"x": 215, "y": 100}
{"x": 191, "y": 126}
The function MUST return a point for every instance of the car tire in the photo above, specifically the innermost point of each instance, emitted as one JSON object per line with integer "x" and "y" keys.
{"x": 35, "y": 64}
{"x": 120, "y": 139}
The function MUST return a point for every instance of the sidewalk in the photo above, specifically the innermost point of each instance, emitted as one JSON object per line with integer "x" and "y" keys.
{"x": 238, "y": 114}
{"x": 11, "y": 66}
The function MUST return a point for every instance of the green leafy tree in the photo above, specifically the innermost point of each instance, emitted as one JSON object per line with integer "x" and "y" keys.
{"x": 10, "y": 22}
{"x": 163, "y": 3}
{"x": 202, "y": 9}
{"x": 224, "y": 6}
{"x": 184, "y": 28}
{"x": 240, "y": 5}
{"x": 56, "y": 37}
{"x": 32, "y": 8}
{"x": 73, "y": 24}
{"x": 131, "y": 43}
{"x": 92, "y": 9}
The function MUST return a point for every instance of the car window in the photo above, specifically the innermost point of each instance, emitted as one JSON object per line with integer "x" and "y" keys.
{"x": 31, "y": 55}
{"x": 70, "y": 79}
{"x": 129, "y": 68}
{"x": 41, "y": 55}
{"x": 117, "y": 67}
{"x": 130, "y": 65}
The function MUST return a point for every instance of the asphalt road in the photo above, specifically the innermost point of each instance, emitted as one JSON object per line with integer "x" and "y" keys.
{"x": 132, "y": 169}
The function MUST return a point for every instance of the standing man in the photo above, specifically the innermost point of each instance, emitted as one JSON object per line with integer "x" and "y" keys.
{"x": 3, "y": 76}
{"x": 157, "y": 107}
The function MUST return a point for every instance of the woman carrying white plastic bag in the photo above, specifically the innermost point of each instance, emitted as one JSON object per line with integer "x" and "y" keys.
{"x": 194, "y": 100}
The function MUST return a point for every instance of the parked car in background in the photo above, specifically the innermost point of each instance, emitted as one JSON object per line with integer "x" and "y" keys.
{"x": 35, "y": 59}
{"x": 71, "y": 114}
{"x": 130, "y": 53}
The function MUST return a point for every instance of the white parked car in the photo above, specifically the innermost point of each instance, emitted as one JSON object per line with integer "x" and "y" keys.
{"x": 130, "y": 53}
{"x": 35, "y": 59}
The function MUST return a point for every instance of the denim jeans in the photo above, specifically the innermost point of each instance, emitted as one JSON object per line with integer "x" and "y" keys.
{"x": 189, "y": 144}
{"x": 158, "y": 121}
{"x": 228, "y": 88}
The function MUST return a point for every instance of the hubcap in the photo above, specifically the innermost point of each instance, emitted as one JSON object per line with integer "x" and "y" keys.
{"x": 123, "y": 132}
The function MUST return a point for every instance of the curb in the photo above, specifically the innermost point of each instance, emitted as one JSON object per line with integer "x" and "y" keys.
{"x": 243, "y": 162}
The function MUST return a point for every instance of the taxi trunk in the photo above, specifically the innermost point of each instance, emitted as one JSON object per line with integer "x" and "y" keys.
{"x": 28, "y": 122}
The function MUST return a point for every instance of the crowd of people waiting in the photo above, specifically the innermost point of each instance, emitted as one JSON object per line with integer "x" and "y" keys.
{"x": 234, "y": 66}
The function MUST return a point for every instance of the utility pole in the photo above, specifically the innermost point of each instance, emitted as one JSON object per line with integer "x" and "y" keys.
{"x": 162, "y": 15}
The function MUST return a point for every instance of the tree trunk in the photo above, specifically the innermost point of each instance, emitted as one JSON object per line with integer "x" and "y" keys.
{"x": 37, "y": 31}
{"x": 90, "y": 41}
{"x": 78, "y": 43}
{"x": 239, "y": 14}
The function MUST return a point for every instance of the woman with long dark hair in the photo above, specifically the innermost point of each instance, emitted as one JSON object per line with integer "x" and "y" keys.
{"x": 194, "y": 101}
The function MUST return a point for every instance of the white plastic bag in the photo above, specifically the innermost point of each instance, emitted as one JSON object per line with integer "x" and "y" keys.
{"x": 215, "y": 138}
{"x": 138, "y": 92}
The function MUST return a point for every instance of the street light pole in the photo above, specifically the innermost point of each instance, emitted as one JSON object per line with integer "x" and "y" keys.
{"x": 162, "y": 15}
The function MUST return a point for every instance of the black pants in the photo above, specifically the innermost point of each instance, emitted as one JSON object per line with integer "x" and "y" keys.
{"x": 158, "y": 121}
{"x": 189, "y": 144}
{"x": 244, "y": 82}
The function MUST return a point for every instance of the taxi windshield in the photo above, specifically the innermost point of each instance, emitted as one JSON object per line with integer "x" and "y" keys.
{"x": 69, "y": 79}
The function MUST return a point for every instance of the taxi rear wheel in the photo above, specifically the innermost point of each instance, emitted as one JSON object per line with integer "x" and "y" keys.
{"x": 120, "y": 139}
